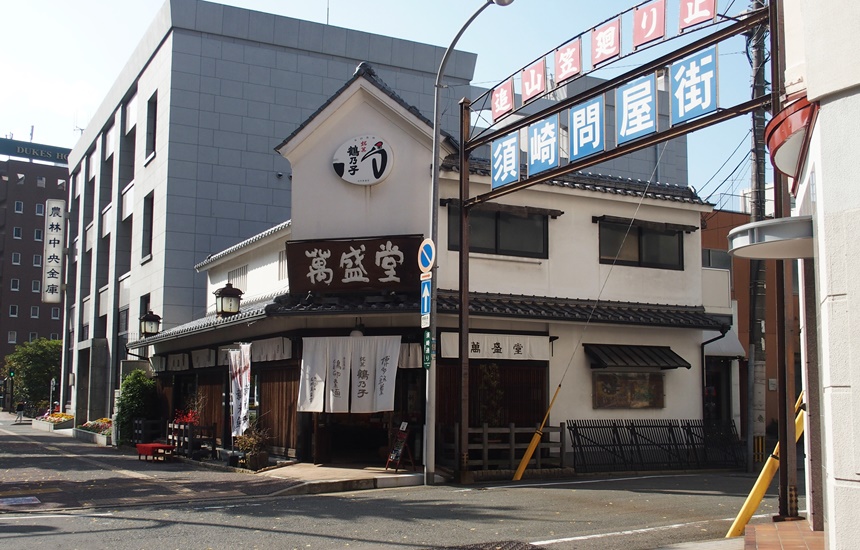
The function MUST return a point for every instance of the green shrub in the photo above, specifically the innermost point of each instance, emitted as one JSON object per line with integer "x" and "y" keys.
{"x": 138, "y": 399}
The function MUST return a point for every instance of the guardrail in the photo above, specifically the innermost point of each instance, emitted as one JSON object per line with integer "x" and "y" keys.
{"x": 629, "y": 445}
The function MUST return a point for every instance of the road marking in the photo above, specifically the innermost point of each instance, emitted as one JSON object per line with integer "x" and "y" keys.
{"x": 52, "y": 516}
{"x": 585, "y": 481}
{"x": 636, "y": 531}
{"x": 19, "y": 492}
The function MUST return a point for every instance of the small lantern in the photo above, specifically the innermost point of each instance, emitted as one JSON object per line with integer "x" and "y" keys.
{"x": 149, "y": 324}
{"x": 227, "y": 300}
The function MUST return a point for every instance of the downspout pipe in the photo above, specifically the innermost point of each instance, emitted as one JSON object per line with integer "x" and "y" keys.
{"x": 724, "y": 329}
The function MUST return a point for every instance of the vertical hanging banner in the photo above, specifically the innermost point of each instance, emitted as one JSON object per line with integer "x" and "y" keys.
{"x": 533, "y": 81}
{"x": 543, "y": 145}
{"x": 636, "y": 108}
{"x": 55, "y": 242}
{"x": 694, "y": 85}
{"x": 503, "y": 99}
{"x": 240, "y": 387}
{"x": 505, "y": 160}
{"x": 649, "y": 23}
{"x": 338, "y": 373}
{"x": 586, "y": 128}
{"x": 387, "y": 354}
{"x": 313, "y": 372}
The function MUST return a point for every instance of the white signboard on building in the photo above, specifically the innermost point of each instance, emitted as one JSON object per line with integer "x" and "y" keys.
{"x": 55, "y": 242}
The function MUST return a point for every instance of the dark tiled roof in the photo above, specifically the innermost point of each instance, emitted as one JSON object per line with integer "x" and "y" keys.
{"x": 213, "y": 257}
{"x": 365, "y": 71}
{"x": 619, "y": 356}
{"x": 249, "y": 310}
{"x": 510, "y": 306}
{"x": 601, "y": 183}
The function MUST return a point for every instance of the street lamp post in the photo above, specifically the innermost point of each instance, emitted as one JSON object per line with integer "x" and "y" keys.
{"x": 430, "y": 433}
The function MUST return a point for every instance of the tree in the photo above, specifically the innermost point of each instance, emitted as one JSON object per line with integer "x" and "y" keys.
{"x": 34, "y": 364}
{"x": 137, "y": 399}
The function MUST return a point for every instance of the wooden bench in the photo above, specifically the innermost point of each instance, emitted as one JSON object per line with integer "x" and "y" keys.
{"x": 154, "y": 450}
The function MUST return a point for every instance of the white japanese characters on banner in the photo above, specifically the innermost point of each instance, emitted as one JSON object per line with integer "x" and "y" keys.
{"x": 503, "y": 99}
{"x": 586, "y": 129}
{"x": 505, "y": 160}
{"x": 568, "y": 60}
{"x": 55, "y": 242}
{"x": 338, "y": 373}
{"x": 349, "y": 374}
{"x": 533, "y": 80}
{"x": 636, "y": 108}
{"x": 312, "y": 377}
{"x": 649, "y": 23}
{"x": 606, "y": 42}
{"x": 693, "y": 12}
{"x": 498, "y": 346}
{"x": 543, "y": 145}
{"x": 694, "y": 85}
{"x": 240, "y": 387}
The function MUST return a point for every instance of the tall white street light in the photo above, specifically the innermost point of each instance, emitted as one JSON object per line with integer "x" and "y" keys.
{"x": 430, "y": 424}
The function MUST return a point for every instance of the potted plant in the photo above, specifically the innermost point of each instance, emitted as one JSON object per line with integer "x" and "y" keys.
{"x": 253, "y": 445}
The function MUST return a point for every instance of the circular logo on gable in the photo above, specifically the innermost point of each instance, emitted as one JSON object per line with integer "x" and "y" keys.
{"x": 364, "y": 160}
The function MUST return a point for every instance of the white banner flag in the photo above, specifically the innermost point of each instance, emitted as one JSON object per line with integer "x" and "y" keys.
{"x": 387, "y": 352}
{"x": 240, "y": 387}
{"x": 363, "y": 375}
{"x": 337, "y": 376}
{"x": 313, "y": 371}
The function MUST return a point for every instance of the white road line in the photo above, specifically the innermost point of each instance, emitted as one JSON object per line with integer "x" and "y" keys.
{"x": 586, "y": 481}
{"x": 53, "y": 516}
{"x": 636, "y": 531}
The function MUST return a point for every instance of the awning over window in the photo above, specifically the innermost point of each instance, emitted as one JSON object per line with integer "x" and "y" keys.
{"x": 617, "y": 356}
{"x": 728, "y": 346}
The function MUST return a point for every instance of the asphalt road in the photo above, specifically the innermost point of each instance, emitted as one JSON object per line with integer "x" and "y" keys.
{"x": 102, "y": 501}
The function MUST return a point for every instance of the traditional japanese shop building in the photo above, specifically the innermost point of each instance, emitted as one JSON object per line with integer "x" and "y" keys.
{"x": 338, "y": 285}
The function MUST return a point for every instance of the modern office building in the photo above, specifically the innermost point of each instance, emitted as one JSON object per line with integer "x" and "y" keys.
{"x": 30, "y": 175}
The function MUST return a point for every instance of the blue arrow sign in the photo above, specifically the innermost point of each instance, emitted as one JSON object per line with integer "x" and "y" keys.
{"x": 425, "y": 297}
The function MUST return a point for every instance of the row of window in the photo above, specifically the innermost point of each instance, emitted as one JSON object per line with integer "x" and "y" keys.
{"x": 34, "y": 312}
{"x": 37, "y": 259}
{"x": 19, "y": 208}
{"x": 18, "y": 233}
{"x": 40, "y": 180}
{"x": 527, "y": 235}
{"x": 12, "y": 336}
{"x": 15, "y": 285}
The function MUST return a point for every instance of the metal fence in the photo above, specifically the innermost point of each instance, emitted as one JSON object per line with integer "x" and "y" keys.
{"x": 629, "y": 445}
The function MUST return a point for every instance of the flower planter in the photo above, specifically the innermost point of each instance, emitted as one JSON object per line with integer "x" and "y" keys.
{"x": 51, "y": 426}
{"x": 256, "y": 461}
{"x": 90, "y": 437}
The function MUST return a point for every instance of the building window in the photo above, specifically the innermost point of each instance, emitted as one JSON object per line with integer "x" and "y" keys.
{"x": 16, "y": 258}
{"x": 17, "y": 232}
{"x": 37, "y": 285}
{"x": 33, "y": 336}
{"x": 641, "y": 246}
{"x": 55, "y": 336}
{"x": 34, "y": 312}
{"x": 20, "y": 180}
{"x": 14, "y": 285}
{"x": 19, "y": 207}
{"x": 238, "y": 277}
{"x": 501, "y": 232}
{"x": 40, "y": 181}
{"x": 12, "y": 337}
{"x": 718, "y": 259}
{"x": 40, "y": 209}
{"x": 282, "y": 265}
{"x": 37, "y": 235}
{"x": 55, "y": 313}
{"x": 37, "y": 260}
{"x": 151, "y": 117}
{"x": 146, "y": 230}
{"x": 13, "y": 310}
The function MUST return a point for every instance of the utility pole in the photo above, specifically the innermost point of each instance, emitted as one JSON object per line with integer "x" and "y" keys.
{"x": 756, "y": 371}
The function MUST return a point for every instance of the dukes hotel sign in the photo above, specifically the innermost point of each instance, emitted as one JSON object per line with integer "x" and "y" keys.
{"x": 34, "y": 151}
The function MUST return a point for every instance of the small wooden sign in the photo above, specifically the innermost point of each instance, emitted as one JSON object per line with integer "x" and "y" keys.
{"x": 400, "y": 449}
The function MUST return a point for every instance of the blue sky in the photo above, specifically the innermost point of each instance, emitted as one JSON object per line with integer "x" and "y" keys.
{"x": 50, "y": 90}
